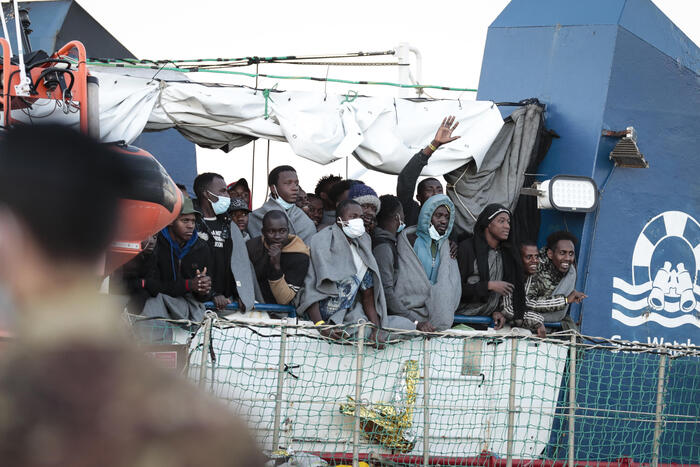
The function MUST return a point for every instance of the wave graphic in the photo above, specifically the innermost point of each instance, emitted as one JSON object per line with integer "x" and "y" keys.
{"x": 633, "y": 309}
{"x": 630, "y": 289}
{"x": 655, "y": 318}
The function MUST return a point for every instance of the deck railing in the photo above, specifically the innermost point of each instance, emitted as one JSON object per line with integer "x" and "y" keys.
{"x": 451, "y": 398}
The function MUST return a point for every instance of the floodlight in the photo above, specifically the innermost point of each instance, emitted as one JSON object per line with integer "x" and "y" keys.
{"x": 568, "y": 193}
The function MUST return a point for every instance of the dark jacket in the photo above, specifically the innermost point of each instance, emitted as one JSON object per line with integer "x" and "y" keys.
{"x": 385, "y": 252}
{"x": 466, "y": 257}
{"x": 128, "y": 278}
{"x": 171, "y": 275}
{"x": 406, "y": 187}
{"x": 279, "y": 287}
{"x": 220, "y": 271}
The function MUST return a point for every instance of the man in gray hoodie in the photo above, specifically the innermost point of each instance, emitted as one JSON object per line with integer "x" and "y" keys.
{"x": 390, "y": 222}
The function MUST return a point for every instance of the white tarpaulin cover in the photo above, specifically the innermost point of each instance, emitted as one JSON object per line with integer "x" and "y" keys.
{"x": 381, "y": 132}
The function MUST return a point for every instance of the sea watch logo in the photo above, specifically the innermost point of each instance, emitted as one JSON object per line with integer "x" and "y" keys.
{"x": 665, "y": 267}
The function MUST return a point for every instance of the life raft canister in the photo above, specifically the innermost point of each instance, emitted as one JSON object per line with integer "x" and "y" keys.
{"x": 151, "y": 202}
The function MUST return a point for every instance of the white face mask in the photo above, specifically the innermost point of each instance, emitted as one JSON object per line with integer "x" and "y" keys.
{"x": 354, "y": 228}
{"x": 221, "y": 205}
{"x": 278, "y": 199}
{"x": 434, "y": 234}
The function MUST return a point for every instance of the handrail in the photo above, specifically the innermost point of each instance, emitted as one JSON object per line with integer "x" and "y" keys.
{"x": 292, "y": 312}
{"x": 269, "y": 307}
{"x": 6, "y": 57}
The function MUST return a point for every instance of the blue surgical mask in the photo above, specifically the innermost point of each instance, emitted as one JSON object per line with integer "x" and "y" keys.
{"x": 402, "y": 225}
{"x": 278, "y": 199}
{"x": 221, "y": 205}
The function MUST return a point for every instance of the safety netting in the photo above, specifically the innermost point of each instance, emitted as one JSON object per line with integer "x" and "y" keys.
{"x": 452, "y": 398}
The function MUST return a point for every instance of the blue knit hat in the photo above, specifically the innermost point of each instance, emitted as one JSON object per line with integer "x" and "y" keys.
{"x": 363, "y": 194}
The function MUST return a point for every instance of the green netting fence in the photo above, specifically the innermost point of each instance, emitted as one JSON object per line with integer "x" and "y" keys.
{"x": 452, "y": 398}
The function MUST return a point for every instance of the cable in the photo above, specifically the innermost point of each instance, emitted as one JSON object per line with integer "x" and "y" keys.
{"x": 263, "y": 75}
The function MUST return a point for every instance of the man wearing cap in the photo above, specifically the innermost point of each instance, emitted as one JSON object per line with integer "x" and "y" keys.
{"x": 239, "y": 211}
{"x": 368, "y": 199}
{"x": 179, "y": 280}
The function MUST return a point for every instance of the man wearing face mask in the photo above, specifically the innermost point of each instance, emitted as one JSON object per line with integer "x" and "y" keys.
{"x": 490, "y": 267}
{"x": 343, "y": 285}
{"x": 214, "y": 227}
{"x": 428, "y": 281}
{"x": 284, "y": 189}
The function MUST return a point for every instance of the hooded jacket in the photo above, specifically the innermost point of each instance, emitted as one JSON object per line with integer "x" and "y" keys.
{"x": 428, "y": 288}
{"x": 279, "y": 287}
{"x": 175, "y": 266}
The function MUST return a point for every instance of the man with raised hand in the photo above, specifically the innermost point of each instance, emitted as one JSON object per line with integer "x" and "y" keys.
{"x": 428, "y": 187}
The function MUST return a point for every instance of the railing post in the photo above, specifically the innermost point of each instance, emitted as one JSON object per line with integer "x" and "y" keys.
{"x": 659, "y": 410}
{"x": 511, "y": 401}
{"x": 358, "y": 396}
{"x": 572, "y": 398}
{"x": 426, "y": 401}
{"x": 280, "y": 386}
{"x": 206, "y": 342}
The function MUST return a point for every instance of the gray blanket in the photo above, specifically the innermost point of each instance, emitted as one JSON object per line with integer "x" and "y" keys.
{"x": 167, "y": 307}
{"x": 331, "y": 261}
{"x": 501, "y": 174}
{"x": 246, "y": 284}
{"x": 299, "y": 223}
{"x": 421, "y": 300}
{"x": 565, "y": 287}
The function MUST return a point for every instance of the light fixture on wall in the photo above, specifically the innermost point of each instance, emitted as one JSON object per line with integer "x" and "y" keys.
{"x": 569, "y": 193}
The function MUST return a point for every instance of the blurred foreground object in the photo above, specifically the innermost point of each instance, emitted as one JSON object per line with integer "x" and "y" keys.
{"x": 73, "y": 390}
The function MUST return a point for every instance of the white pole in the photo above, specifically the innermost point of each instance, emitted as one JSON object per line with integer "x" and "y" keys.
{"x": 4, "y": 28}
{"x": 572, "y": 398}
{"x": 358, "y": 396}
{"x": 280, "y": 387}
{"x": 22, "y": 89}
{"x": 659, "y": 411}
{"x": 426, "y": 401}
{"x": 511, "y": 401}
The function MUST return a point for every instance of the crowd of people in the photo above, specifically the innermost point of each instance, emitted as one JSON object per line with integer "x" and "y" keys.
{"x": 342, "y": 254}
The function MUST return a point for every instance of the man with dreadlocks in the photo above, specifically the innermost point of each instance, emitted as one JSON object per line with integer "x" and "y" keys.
{"x": 489, "y": 264}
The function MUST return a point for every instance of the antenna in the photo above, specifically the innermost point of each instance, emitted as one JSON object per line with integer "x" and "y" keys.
{"x": 22, "y": 89}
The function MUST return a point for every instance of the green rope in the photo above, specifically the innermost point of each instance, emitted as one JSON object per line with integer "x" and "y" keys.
{"x": 261, "y": 75}
{"x": 266, "y": 95}
{"x": 350, "y": 96}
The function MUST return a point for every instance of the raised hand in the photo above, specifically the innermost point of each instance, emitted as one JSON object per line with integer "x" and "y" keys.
{"x": 444, "y": 133}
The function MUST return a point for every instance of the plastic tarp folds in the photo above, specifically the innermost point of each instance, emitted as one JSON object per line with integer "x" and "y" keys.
{"x": 382, "y": 133}
{"x": 502, "y": 174}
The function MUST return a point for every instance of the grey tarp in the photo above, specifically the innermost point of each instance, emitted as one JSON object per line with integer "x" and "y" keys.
{"x": 502, "y": 172}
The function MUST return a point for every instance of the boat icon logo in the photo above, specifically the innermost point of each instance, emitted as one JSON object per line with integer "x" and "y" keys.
{"x": 665, "y": 275}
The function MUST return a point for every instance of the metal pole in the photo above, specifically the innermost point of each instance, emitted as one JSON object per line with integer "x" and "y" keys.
{"x": 358, "y": 396}
{"x": 659, "y": 410}
{"x": 280, "y": 386}
{"x": 426, "y": 401}
{"x": 511, "y": 401}
{"x": 572, "y": 398}
{"x": 206, "y": 342}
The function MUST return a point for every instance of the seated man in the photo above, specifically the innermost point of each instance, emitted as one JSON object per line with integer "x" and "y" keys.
{"x": 239, "y": 216}
{"x": 389, "y": 225}
{"x": 178, "y": 280}
{"x": 342, "y": 285}
{"x": 490, "y": 267}
{"x": 284, "y": 187}
{"x": 280, "y": 260}
{"x": 550, "y": 289}
{"x": 406, "y": 182}
{"x": 315, "y": 209}
{"x": 214, "y": 227}
{"x": 369, "y": 201}
{"x": 322, "y": 190}
{"x": 427, "y": 283}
